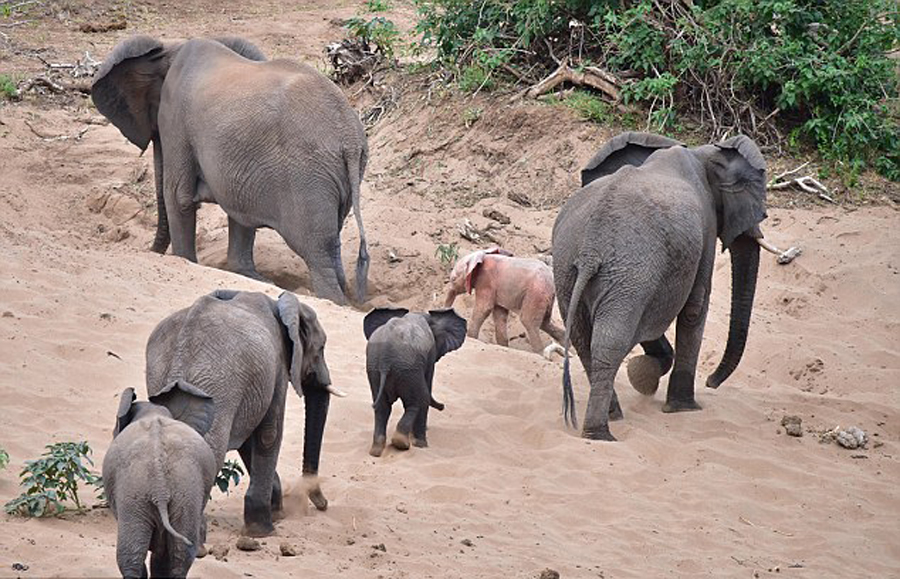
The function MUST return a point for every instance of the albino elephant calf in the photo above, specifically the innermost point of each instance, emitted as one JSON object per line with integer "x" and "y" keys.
{"x": 503, "y": 284}
{"x": 158, "y": 473}
{"x": 400, "y": 356}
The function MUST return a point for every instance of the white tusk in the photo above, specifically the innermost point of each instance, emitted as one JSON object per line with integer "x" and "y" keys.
{"x": 332, "y": 390}
{"x": 784, "y": 257}
{"x": 553, "y": 347}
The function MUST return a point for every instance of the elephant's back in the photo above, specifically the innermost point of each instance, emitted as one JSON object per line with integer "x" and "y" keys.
{"x": 400, "y": 343}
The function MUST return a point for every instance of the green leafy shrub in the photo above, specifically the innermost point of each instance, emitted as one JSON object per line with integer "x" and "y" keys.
{"x": 378, "y": 31}
{"x": 230, "y": 473}
{"x": 589, "y": 106}
{"x": 783, "y": 71}
{"x": 448, "y": 253}
{"x": 377, "y": 5}
{"x": 4, "y": 458}
{"x": 8, "y": 87}
{"x": 53, "y": 479}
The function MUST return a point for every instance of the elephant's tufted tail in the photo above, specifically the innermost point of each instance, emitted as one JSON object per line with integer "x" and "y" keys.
{"x": 585, "y": 273}
{"x": 356, "y": 166}
{"x": 383, "y": 374}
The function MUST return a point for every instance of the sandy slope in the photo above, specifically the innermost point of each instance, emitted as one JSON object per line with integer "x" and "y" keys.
{"x": 719, "y": 493}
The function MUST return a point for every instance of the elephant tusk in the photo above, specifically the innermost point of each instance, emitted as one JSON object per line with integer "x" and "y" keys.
{"x": 553, "y": 347}
{"x": 784, "y": 257}
{"x": 332, "y": 390}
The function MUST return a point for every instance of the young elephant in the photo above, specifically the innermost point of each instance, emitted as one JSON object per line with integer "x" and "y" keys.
{"x": 400, "y": 358}
{"x": 503, "y": 284}
{"x": 158, "y": 473}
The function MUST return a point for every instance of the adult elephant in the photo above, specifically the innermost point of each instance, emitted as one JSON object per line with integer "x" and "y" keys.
{"x": 633, "y": 250}
{"x": 275, "y": 144}
{"x": 241, "y": 349}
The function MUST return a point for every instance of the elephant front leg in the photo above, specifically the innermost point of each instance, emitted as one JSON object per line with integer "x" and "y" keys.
{"x": 484, "y": 305}
{"x": 501, "y": 316}
{"x": 401, "y": 438}
{"x": 264, "y": 445}
{"x": 420, "y": 424}
{"x": 644, "y": 371}
{"x": 688, "y": 336}
{"x": 240, "y": 250}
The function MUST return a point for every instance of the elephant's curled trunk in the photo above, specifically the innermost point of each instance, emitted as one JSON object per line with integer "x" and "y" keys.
{"x": 744, "y": 268}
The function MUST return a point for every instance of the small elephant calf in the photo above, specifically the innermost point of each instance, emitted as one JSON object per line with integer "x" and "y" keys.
{"x": 158, "y": 473}
{"x": 400, "y": 356}
{"x": 502, "y": 284}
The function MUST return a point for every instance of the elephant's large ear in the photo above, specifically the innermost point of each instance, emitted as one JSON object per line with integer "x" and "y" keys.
{"x": 127, "y": 86}
{"x": 629, "y": 148}
{"x": 242, "y": 46}
{"x": 737, "y": 173}
{"x": 188, "y": 404}
{"x": 449, "y": 330}
{"x": 306, "y": 335}
{"x": 380, "y": 316}
{"x": 124, "y": 413}
{"x": 474, "y": 260}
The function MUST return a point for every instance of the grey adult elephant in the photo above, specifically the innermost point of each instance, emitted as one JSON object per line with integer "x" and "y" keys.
{"x": 275, "y": 144}
{"x": 242, "y": 348}
{"x": 157, "y": 475}
{"x": 633, "y": 249}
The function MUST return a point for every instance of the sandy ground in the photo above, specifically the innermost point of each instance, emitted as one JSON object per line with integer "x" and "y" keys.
{"x": 504, "y": 490}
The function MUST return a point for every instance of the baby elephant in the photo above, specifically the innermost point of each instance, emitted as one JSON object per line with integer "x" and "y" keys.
{"x": 158, "y": 473}
{"x": 400, "y": 358}
{"x": 503, "y": 284}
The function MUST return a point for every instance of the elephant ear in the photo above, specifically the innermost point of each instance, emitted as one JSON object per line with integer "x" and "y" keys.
{"x": 126, "y": 88}
{"x": 380, "y": 316}
{"x": 629, "y": 148}
{"x": 474, "y": 260}
{"x": 124, "y": 414}
{"x": 225, "y": 294}
{"x": 737, "y": 172}
{"x": 305, "y": 333}
{"x": 243, "y": 47}
{"x": 449, "y": 330}
{"x": 188, "y": 404}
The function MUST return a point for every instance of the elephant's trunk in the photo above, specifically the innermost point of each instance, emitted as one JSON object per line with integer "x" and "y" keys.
{"x": 744, "y": 268}
{"x": 317, "y": 401}
{"x": 161, "y": 242}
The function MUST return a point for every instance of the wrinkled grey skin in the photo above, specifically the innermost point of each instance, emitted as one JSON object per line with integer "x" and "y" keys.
{"x": 400, "y": 356}
{"x": 242, "y": 348}
{"x": 275, "y": 144}
{"x": 157, "y": 475}
{"x": 633, "y": 250}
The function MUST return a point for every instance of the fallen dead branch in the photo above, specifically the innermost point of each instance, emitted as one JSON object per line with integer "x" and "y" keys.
{"x": 588, "y": 76}
{"x": 50, "y": 138}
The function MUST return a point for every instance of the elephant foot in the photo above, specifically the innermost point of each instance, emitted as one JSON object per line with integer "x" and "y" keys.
{"x": 377, "y": 447}
{"x": 202, "y": 552}
{"x": 644, "y": 373}
{"x": 680, "y": 406}
{"x": 420, "y": 442}
{"x": 400, "y": 440}
{"x": 257, "y": 530}
{"x": 314, "y": 492}
{"x": 248, "y": 272}
{"x": 615, "y": 411}
{"x": 599, "y": 433}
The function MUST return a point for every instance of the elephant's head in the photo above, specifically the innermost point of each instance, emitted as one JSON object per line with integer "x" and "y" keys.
{"x": 736, "y": 172}
{"x": 447, "y": 327}
{"x": 310, "y": 377}
{"x": 127, "y": 87}
{"x": 179, "y": 400}
{"x": 462, "y": 277}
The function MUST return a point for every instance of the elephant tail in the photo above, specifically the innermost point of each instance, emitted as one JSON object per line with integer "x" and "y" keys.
{"x": 383, "y": 374}
{"x": 356, "y": 166}
{"x": 164, "y": 516}
{"x": 159, "y": 484}
{"x": 585, "y": 273}
{"x": 439, "y": 406}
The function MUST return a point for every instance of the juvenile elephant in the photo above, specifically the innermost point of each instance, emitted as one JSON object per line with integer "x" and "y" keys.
{"x": 633, "y": 249}
{"x": 275, "y": 144}
{"x": 503, "y": 284}
{"x": 242, "y": 348}
{"x": 157, "y": 475}
{"x": 400, "y": 356}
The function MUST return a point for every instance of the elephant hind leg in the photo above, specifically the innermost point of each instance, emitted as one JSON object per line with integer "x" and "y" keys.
{"x": 132, "y": 545}
{"x": 323, "y": 258}
{"x": 556, "y": 332}
{"x": 501, "y": 317}
{"x": 240, "y": 250}
{"x": 644, "y": 371}
{"x": 608, "y": 350}
{"x": 534, "y": 316}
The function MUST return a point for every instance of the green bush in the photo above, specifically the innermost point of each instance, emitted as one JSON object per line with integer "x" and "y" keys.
{"x": 378, "y": 31}
{"x": 230, "y": 473}
{"x": 8, "y": 87}
{"x": 53, "y": 479}
{"x": 4, "y": 458}
{"x": 589, "y": 106}
{"x": 783, "y": 71}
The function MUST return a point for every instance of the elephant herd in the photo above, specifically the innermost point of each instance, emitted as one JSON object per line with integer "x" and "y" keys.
{"x": 276, "y": 144}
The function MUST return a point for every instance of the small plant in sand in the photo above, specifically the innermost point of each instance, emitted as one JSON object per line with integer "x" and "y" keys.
{"x": 4, "y": 458}
{"x": 377, "y": 5}
{"x": 447, "y": 253}
{"x": 53, "y": 479}
{"x": 471, "y": 115}
{"x": 8, "y": 87}
{"x": 230, "y": 474}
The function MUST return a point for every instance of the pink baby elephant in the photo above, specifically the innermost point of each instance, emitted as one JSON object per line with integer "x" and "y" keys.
{"x": 503, "y": 284}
